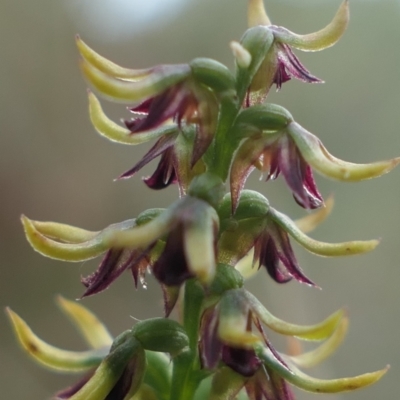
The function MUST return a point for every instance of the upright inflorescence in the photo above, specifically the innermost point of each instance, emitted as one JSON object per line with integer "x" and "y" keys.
{"x": 211, "y": 128}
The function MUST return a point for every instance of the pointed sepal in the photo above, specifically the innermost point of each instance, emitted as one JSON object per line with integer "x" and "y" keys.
{"x": 322, "y": 248}
{"x": 50, "y": 356}
{"x": 320, "y": 40}
{"x": 88, "y": 325}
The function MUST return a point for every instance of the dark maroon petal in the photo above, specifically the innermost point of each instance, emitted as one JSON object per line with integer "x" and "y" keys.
{"x": 114, "y": 263}
{"x": 286, "y": 255}
{"x": 162, "y": 107}
{"x": 171, "y": 295}
{"x": 269, "y": 258}
{"x": 298, "y": 175}
{"x": 105, "y": 274}
{"x": 138, "y": 270}
{"x": 210, "y": 347}
{"x": 273, "y": 154}
{"x": 165, "y": 174}
{"x": 292, "y": 66}
{"x": 70, "y": 391}
{"x": 143, "y": 107}
{"x": 243, "y": 361}
{"x": 159, "y": 147}
{"x": 281, "y": 76}
{"x": 171, "y": 268}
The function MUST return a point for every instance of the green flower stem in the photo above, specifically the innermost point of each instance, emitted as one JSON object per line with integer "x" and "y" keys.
{"x": 193, "y": 306}
{"x": 224, "y": 143}
{"x": 185, "y": 377}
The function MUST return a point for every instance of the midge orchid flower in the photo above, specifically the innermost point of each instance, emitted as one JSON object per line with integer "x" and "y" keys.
{"x": 210, "y": 129}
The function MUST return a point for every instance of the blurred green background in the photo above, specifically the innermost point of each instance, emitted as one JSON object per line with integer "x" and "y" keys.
{"x": 53, "y": 166}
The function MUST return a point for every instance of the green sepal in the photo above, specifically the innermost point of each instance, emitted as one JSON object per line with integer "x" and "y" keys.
{"x": 265, "y": 117}
{"x": 226, "y": 278}
{"x": 212, "y": 74}
{"x": 257, "y": 41}
{"x": 161, "y": 334}
{"x": 226, "y": 384}
{"x": 251, "y": 205}
{"x": 239, "y": 232}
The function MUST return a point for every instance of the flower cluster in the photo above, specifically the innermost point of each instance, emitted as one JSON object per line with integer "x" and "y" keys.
{"x": 211, "y": 128}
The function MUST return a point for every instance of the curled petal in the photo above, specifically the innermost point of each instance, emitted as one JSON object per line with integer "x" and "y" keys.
{"x": 89, "y": 326}
{"x": 75, "y": 251}
{"x": 50, "y": 356}
{"x": 305, "y": 382}
{"x": 322, "y": 248}
{"x": 311, "y": 221}
{"x": 144, "y": 235}
{"x": 256, "y": 14}
{"x": 317, "y": 332}
{"x": 322, "y": 161}
{"x": 320, "y": 40}
{"x": 116, "y": 133}
{"x": 63, "y": 232}
{"x": 134, "y": 92}
{"x": 321, "y": 353}
{"x": 108, "y": 67}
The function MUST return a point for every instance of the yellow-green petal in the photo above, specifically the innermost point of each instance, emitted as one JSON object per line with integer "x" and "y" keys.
{"x": 143, "y": 235}
{"x": 325, "y": 350}
{"x": 60, "y": 249}
{"x": 256, "y": 14}
{"x": 294, "y": 376}
{"x": 322, "y": 248}
{"x": 322, "y": 39}
{"x": 107, "y": 66}
{"x": 63, "y": 232}
{"x": 310, "y": 384}
{"x": 116, "y": 133}
{"x": 311, "y": 221}
{"x": 199, "y": 246}
{"x": 326, "y": 164}
{"x": 246, "y": 265}
{"x": 316, "y": 332}
{"x": 89, "y": 326}
{"x": 50, "y": 356}
{"x": 137, "y": 91}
